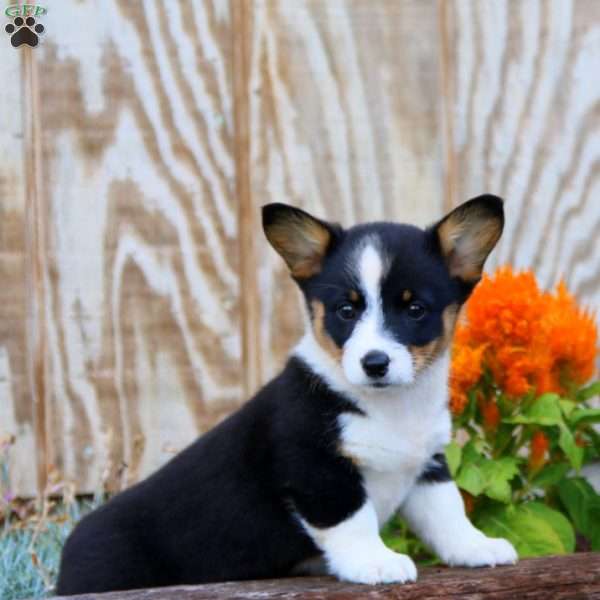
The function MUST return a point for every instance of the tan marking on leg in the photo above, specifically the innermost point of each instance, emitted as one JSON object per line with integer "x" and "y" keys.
{"x": 322, "y": 337}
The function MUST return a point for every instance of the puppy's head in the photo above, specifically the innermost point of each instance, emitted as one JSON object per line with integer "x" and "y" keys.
{"x": 382, "y": 297}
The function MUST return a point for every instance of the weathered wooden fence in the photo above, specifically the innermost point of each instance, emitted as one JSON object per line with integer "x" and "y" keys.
{"x": 139, "y": 301}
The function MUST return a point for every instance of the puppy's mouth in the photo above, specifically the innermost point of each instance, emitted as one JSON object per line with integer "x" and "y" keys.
{"x": 379, "y": 384}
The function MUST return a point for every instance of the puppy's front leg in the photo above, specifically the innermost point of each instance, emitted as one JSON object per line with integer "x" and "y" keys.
{"x": 355, "y": 552}
{"x": 435, "y": 511}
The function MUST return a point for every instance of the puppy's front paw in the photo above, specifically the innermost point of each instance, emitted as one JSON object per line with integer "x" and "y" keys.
{"x": 383, "y": 566}
{"x": 480, "y": 551}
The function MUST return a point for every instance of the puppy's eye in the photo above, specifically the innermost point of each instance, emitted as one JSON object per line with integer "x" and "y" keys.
{"x": 346, "y": 311}
{"x": 416, "y": 310}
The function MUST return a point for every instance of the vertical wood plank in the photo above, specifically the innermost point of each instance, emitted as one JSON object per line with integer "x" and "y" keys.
{"x": 527, "y": 127}
{"x": 141, "y": 232}
{"x": 17, "y": 414}
{"x": 345, "y": 121}
{"x": 37, "y": 347}
{"x": 248, "y": 219}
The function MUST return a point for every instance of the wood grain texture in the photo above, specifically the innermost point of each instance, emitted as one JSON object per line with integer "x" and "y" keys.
{"x": 345, "y": 121}
{"x": 140, "y": 301}
{"x": 141, "y": 233}
{"x": 17, "y": 415}
{"x": 525, "y": 125}
{"x": 558, "y": 577}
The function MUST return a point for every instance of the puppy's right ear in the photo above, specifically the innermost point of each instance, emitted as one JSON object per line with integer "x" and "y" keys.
{"x": 299, "y": 238}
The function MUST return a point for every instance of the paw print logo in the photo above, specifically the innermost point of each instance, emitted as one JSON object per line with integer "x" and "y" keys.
{"x": 24, "y": 31}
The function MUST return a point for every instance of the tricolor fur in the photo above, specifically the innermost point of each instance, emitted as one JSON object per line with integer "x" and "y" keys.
{"x": 304, "y": 475}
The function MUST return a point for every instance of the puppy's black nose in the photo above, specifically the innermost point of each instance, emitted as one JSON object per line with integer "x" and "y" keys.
{"x": 375, "y": 363}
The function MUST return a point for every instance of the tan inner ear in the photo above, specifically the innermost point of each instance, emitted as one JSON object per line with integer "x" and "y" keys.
{"x": 466, "y": 242}
{"x": 302, "y": 243}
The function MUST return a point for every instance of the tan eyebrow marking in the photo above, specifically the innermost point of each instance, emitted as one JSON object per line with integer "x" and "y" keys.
{"x": 406, "y": 295}
{"x": 354, "y": 296}
{"x": 323, "y": 338}
{"x": 424, "y": 355}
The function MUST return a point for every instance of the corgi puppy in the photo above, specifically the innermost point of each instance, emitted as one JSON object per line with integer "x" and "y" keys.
{"x": 304, "y": 475}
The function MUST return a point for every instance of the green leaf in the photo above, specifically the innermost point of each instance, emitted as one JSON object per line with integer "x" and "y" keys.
{"x": 499, "y": 490}
{"x": 502, "y": 437}
{"x": 471, "y": 408}
{"x": 589, "y": 392}
{"x": 584, "y": 415}
{"x": 550, "y": 475}
{"x": 471, "y": 479}
{"x": 544, "y": 411}
{"x": 583, "y": 505}
{"x": 567, "y": 443}
{"x": 479, "y": 475}
{"x": 497, "y": 474}
{"x": 567, "y": 406}
{"x": 594, "y": 438}
{"x": 453, "y": 457}
{"x": 533, "y": 528}
{"x": 395, "y": 542}
{"x": 472, "y": 451}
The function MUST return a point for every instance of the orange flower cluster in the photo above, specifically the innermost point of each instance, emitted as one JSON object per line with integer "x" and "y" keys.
{"x": 528, "y": 339}
{"x": 538, "y": 449}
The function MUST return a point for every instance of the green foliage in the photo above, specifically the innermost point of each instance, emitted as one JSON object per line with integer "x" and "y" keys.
{"x": 519, "y": 473}
{"x": 453, "y": 457}
{"x": 479, "y": 475}
{"x": 533, "y": 528}
{"x": 30, "y": 548}
{"x": 583, "y": 507}
{"x": 398, "y": 537}
{"x": 21, "y": 575}
{"x": 545, "y": 410}
{"x": 32, "y": 532}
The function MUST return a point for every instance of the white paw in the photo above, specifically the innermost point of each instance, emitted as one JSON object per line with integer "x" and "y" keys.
{"x": 480, "y": 551}
{"x": 383, "y": 566}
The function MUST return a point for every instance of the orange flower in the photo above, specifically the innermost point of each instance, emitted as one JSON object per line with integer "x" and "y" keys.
{"x": 490, "y": 414}
{"x": 529, "y": 340}
{"x": 464, "y": 374}
{"x": 469, "y": 501}
{"x": 504, "y": 308}
{"x": 538, "y": 449}
{"x": 569, "y": 338}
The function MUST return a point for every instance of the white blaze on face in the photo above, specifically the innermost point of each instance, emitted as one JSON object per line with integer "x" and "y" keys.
{"x": 369, "y": 333}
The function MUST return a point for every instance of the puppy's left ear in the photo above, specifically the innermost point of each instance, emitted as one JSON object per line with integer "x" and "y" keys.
{"x": 468, "y": 234}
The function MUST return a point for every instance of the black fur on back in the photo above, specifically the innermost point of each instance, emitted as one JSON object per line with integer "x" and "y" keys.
{"x": 224, "y": 508}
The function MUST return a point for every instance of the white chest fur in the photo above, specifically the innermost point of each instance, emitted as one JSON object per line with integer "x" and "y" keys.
{"x": 398, "y": 434}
